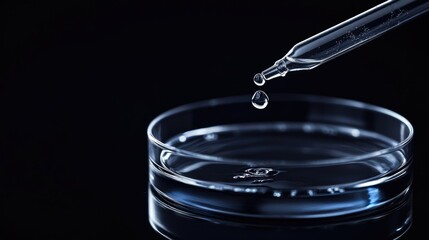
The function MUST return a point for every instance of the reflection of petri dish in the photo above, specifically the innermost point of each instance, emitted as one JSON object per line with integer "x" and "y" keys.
{"x": 307, "y": 167}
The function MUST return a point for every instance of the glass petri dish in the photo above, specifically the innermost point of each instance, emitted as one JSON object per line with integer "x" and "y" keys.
{"x": 304, "y": 167}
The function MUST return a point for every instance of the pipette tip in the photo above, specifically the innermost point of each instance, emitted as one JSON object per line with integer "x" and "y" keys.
{"x": 279, "y": 69}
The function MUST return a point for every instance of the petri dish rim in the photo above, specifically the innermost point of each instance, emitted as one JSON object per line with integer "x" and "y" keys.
{"x": 280, "y": 97}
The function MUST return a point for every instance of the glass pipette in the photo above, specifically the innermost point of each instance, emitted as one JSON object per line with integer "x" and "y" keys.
{"x": 344, "y": 37}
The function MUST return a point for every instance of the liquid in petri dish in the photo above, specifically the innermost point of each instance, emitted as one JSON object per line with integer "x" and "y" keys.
{"x": 306, "y": 191}
{"x": 260, "y": 99}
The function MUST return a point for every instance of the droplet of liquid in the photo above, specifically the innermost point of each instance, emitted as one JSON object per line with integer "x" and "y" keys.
{"x": 260, "y": 175}
{"x": 260, "y": 99}
{"x": 333, "y": 190}
{"x": 261, "y": 172}
{"x": 277, "y": 194}
{"x": 211, "y": 137}
{"x": 262, "y": 180}
{"x": 258, "y": 79}
{"x": 182, "y": 139}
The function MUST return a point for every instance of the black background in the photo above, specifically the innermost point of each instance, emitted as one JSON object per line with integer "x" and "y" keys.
{"x": 80, "y": 81}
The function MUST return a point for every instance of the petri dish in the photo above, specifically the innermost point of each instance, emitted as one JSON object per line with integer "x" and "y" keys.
{"x": 305, "y": 167}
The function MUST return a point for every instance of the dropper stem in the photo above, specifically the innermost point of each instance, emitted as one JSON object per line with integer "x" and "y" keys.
{"x": 346, "y": 36}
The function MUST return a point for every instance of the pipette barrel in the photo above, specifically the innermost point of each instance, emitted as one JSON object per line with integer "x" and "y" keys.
{"x": 346, "y": 36}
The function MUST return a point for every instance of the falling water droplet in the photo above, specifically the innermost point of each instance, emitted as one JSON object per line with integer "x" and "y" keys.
{"x": 259, "y": 79}
{"x": 260, "y": 99}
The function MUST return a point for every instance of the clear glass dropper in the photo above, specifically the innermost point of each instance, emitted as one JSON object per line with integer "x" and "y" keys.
{"x": 344, "y": 37}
